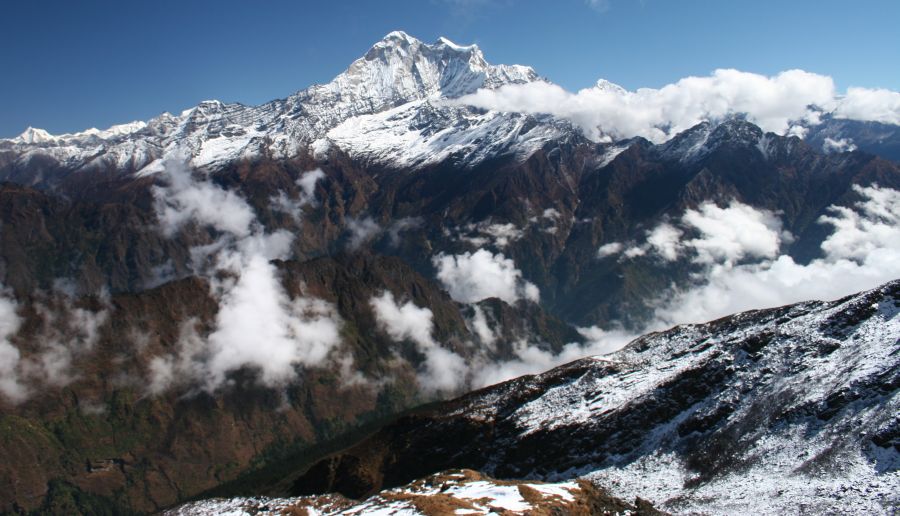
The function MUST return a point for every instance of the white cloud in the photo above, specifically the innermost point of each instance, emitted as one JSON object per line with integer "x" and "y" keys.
{"x": 732, "y": 233}
{"x": 635, "y": 251}
{"x": 551, "y": 213}
{"x": 444, "y": 370}
{"x": 728, "y": 234}
{"x": 68, "y": 332}
{"x": 307, "y": 183}
{"x": 658, "y": 114}
{"x": 306, "y": 197}
{"x": 531, "y": 359}
{"x": 471, "y": 277}
{"x": 186, "y": 199}
{"x": 610, "y": 249}
{"x": 402, "y": 322}
{"x": 258, "y": 325}
{"x": 601, "y": 6}
{"x": 872, "y": 227}
{"x": 361, "y": 231}
{"x": 665, "y": 240}
{"x": 10, "y": 386}
{"x": 481, "y": 328}
{"x": 486, "y": 232}
{"x": 503, "y": 234}
{"x": 862, "y": 252}
{"x": 842, "y": 145}
{"x": 873, "y": 105}
{"x": 738, "y": 247}
{"x": 777, "y": 103}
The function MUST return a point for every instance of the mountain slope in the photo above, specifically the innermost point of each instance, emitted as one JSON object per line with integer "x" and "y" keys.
{"x": 104, "y": 434}
{"x": 781, "y": 410}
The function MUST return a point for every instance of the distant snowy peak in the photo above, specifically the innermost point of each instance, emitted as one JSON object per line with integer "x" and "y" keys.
{"x": 604, "y": 85}
{"x": 34, "y": 136}
{"x": 400, "y": 68}
{"x": 396, "y": 71}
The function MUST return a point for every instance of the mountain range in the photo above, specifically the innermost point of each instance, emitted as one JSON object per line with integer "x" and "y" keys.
{"x": 231, "y": 292}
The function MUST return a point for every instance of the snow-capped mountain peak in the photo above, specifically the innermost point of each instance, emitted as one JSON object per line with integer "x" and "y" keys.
{"x": 604, "y": 85}
{"x": 400, "y": 68}
{"x": 34, "y": 135}
{"x": 397, "y": 71}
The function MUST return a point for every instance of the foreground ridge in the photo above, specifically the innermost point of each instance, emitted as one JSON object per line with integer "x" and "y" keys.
{"x": 787, "y": 409}
{"x": 451, "y": 492}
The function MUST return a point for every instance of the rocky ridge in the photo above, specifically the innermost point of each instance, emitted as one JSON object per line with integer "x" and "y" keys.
{"x": 781, "y": 410}
{"x": 450, "y": 492}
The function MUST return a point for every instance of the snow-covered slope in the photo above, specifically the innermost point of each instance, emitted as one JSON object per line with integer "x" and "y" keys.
{"x": 788, "y": 410}
{"x": 803, "y": 411}
{"x": 427, "y": 131}
{"x": 398, "y": 71}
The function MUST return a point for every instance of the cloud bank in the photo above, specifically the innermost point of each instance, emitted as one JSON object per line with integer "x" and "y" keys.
{"x": 783, "y": 103}
{"x": 725, "y": 235}
{"x": 742, "y": 268}
{"x": 875, "y": 105}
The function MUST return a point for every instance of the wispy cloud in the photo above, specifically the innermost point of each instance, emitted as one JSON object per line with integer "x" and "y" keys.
{"x": 443, "y": 369}
{"x": 10, "y": 384}
{"x": 601, "y": 6}
{"x": 258, "y": 325}
{"x": 63, "y": 333}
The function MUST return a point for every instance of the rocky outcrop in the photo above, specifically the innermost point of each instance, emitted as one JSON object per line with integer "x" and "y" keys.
{"x": 450, "y": 492}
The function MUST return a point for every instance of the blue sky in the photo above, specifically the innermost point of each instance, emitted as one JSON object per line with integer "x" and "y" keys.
{"x": 73, "y": 65}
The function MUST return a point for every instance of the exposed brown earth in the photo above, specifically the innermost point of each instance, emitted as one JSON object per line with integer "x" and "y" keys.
{"x": 445, "y": 494}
